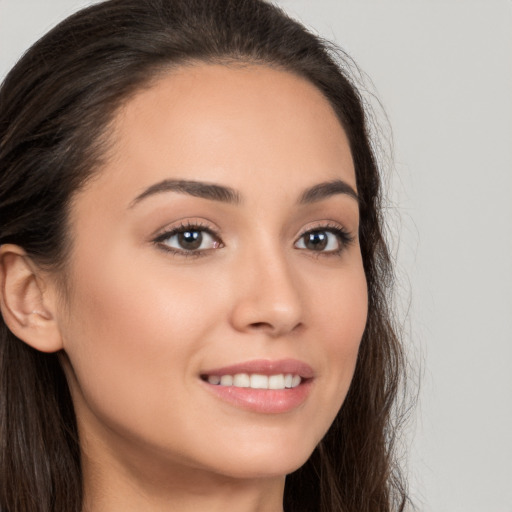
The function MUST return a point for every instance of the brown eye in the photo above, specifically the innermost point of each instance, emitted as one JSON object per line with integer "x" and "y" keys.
{"x": 188, "y": 239}
{"x": 331, "y": 240}
{"x": 316, "y": 240}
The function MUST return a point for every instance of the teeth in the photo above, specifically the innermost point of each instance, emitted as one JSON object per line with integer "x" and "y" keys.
{"x": 226, "y": 380}
{"x": 214, "y": 379}
{"x": 257, "y": 381}
{"x": 241, "y": 380}
{"x": 276, "y": 382}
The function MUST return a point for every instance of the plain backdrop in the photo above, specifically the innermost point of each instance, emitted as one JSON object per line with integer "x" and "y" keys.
{"x": 443, "y": 72}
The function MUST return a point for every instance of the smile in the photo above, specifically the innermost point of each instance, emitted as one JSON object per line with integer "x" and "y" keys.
{"x": 262, "y": 386}
{"x": 256, "y": 381}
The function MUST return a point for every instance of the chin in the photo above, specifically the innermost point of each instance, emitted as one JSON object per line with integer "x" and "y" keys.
{"x": 258, "y": 462}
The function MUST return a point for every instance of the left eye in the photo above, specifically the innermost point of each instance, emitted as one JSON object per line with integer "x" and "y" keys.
{"x": 320, "y": 240}
{"x": 189, "y": 239}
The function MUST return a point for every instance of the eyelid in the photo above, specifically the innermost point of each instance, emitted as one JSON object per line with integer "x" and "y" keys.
{"x": 187, "y": 223}
{"x": 345, "y": 236}
{"x": 182, "y": 226}
{"x": 324, "y": 225}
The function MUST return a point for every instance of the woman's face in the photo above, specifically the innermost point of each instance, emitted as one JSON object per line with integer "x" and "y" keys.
{"x": 219, "y": 242}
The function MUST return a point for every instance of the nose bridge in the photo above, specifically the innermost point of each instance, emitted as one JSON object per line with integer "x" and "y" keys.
{"x": 269, "y": 296}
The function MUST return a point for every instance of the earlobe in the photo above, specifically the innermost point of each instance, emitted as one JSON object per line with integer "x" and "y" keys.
{"x": 26, "y": 305}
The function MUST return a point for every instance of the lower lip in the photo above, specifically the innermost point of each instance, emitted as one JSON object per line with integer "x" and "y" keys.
{"x": 266, "y": 401}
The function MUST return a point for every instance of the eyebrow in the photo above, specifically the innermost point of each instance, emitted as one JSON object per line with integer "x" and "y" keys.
{"x": 327, "y": 189}
{"x": 229, "y": 195}
{"x": 192, "y": 188}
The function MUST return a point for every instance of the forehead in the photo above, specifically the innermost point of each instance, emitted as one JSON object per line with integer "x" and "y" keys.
{"x": 239, "y": 125}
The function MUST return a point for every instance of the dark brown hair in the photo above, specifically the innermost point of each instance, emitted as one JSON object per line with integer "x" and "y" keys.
{"x": 55, "y": 108}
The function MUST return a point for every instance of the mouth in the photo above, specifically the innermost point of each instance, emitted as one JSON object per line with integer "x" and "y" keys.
{"x": 255, "y": 380}
{"x": 262, "y": 386}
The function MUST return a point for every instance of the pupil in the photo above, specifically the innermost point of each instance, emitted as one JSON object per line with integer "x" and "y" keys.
{"x": 190, "y": 239}
{"x": 316, "y": 241}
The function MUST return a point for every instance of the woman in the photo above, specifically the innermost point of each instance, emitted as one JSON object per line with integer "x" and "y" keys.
{"x": 194, "y": 277}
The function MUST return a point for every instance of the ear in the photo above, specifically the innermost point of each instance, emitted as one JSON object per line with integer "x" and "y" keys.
{"x": 26, "y": 300}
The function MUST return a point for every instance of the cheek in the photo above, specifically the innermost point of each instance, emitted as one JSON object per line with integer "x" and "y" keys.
{"x": 132, "y": 337}
{"x": 341, "y": 312}
{"x": 341, "y": 303}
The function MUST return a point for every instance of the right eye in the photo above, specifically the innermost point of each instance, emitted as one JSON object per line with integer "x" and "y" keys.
{"x": 188, "y": 240}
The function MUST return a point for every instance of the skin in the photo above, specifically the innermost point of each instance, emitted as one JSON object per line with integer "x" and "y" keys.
{"x": 139, "y": 324}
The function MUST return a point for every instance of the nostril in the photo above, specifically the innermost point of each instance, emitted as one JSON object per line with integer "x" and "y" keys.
{"x": 260, "y": 325}
{"x": 274, "y": 330}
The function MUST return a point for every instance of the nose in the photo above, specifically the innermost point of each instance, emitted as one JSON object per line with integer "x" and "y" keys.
{"x": 268, "y": 297}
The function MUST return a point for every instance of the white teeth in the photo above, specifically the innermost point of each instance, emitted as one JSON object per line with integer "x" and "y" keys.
{"x": 276, "y": 382}
{"x": 241, "y": 380}
{"x": 257, "y": 381}
{"x": 214, "y": 379}
{"x": 226, "y": 380}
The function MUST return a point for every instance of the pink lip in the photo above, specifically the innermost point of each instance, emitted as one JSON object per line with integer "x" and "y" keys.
{"x": 265, "y": 367}
{"x": 266, "y": 401}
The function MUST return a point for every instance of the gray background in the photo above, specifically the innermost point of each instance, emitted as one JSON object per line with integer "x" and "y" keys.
{"x": 443, "y": 71}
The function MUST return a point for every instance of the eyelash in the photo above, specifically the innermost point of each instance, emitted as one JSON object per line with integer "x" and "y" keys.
{"x": 343, "y": 236}
{"x": 183, "y": 228}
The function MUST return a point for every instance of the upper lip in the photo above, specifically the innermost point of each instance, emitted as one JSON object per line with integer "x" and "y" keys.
{"x": 265, "y": 367}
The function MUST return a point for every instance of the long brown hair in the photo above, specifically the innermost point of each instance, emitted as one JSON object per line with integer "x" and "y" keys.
{"x": 55, "y": 108}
